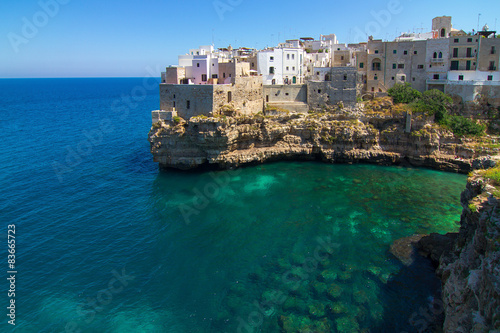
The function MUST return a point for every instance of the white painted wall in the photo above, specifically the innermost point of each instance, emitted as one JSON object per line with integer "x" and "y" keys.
{"x": 477, "y": 76}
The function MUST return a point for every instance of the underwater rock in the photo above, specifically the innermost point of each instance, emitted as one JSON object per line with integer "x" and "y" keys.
{"x": 295, "y": 304}
{"x": 361, "y": 297}
{"x": 347, "y": 325}
{"x": 339, "y": 308}
{"x": 319, "y": 288}
{"x": 328, "y": 275}
{"x": 403, "y": 248}
{"x": 334, "y": 290}
{"x": 317, "y": 310}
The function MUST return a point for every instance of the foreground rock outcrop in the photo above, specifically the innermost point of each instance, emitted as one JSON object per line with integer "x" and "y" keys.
{"x": 469, "y": 262}
{"x": 344, "y": 136}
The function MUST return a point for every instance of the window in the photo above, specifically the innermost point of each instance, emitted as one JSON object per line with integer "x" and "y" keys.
{"x": 375, "y": 78}
{"x": 188, "y": 104}
{"x": 440, "y": 55}
{"x": 405, "y": 52}
{"x": 435, "y": 77}
{"x": 224, "y": 75}
{"x": 376, "y": 65}
{"x": 345, "y": 77}
{"x": 394, "y": 51}
{"x": 271, "y": 70}
{"x": 403, "y": 78}
{"x": 492, "y": 66}
{"x": 376, "y": 51}
{"x": 253, "y": 64}
{"x": 293, "y": 56}
{"x": 493, "y": 50}
{"x": 415, "y": 52}
{"x": 204, "y": 77}
{"x": 319, "y": 91}
{"x": 287, "y": 68}
{"x": 469, "y": 52}
{"x": 341, "y": 57}
{"x": 229, "y": 74}
{"x": 288, "y": 56}
{"x": 460, "y": 78}
{"x": 174, "y": 104}
{"x": 469, "y": 40}
{"x": 197, "y": 64}
{"x": 361, "y": 65}
{"x": 392, "y": 78}
{"x": 293, "y": 68}
{"x": 420, "y": 66}
{"x": 443, "y": 32}
{"x": 455, "y": 52}
{"x": 454, "y": 65}
{"x": 271, "y": 58}
{"x": 455, "y": 40}
{"x": 435, "y": 55}
{"x": 394, "y": 66}
{"x": 413, "y": 79}
{"x": 174, "y": 96}
{"x": 214, "y": 76}
{"x": 373, "y": 89}
{"x": 317, "y": 73}
{"x": 286, "y": 94}
{"x": 401, "y": 65}
{"x": 490, "y": 78}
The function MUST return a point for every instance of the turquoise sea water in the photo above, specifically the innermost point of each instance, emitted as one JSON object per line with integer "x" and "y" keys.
{"x": 107, "y": 243}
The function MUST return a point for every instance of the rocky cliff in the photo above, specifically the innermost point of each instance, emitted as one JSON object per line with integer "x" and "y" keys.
{"x": 471, "y": 270}
{"x": 343, "y": 136}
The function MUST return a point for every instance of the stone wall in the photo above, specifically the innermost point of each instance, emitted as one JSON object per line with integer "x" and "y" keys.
{"x": 244, "y": 96}
{"x": 285, "y": 93}
{"x": 187, "y": 99}
{"x": 320, "y": 94}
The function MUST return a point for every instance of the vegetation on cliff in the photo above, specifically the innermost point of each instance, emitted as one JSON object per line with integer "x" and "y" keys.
{"x": 438, "y": 104}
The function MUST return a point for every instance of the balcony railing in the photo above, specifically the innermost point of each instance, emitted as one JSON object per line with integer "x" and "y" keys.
{"x": 492, "y": 68}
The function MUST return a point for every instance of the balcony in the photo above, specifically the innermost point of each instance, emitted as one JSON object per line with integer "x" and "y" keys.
{"x": 492, "y": 68}
{"x": 437, "y": 60}
{"x": 440, "y": 81}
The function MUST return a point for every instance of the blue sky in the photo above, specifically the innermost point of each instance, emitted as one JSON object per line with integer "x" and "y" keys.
{"x": 110, "y": 38}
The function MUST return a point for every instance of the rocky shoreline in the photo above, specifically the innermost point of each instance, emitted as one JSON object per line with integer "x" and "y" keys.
{"x": 341, "y": 137}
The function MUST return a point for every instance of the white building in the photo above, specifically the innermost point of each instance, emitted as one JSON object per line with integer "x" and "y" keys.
{"x": 201, "y": 64}
{"x": 281, "y": 65}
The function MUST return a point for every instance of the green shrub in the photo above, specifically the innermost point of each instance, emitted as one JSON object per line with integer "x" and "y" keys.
{"x": 460, "y": 125}
{"x": 157, "y": 125}
{"x": 472, "y": 208}
{"x": 433, "y": 103}
{"x": 403, "y": 93}
{"x": 176, "y": 119}
{"x": 493, "y": 174}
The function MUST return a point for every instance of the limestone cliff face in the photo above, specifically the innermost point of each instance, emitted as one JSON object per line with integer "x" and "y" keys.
{"x": 342, "y": 137}
{"x": 471, "y": 272}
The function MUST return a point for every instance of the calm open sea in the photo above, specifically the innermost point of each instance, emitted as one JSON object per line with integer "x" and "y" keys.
{"x": 107, "y": 243}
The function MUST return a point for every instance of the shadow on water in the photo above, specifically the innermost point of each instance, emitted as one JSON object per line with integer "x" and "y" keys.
{"x": 414, "y": 291}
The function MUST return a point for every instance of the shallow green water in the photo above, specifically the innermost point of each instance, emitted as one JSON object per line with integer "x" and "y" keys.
{"x": 305, "y": 245}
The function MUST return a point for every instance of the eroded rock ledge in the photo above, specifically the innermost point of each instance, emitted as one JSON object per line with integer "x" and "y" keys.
{"x": 347, "y": 136}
